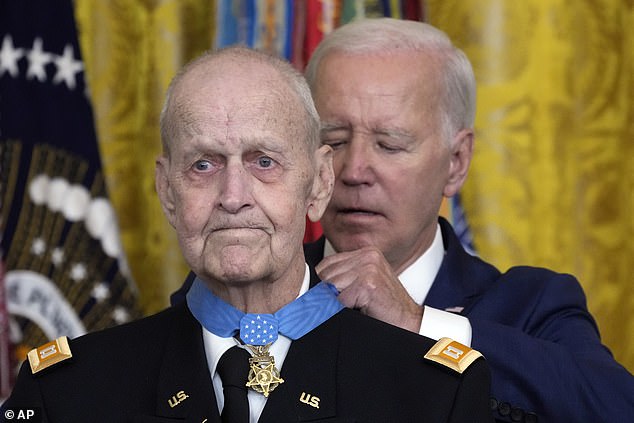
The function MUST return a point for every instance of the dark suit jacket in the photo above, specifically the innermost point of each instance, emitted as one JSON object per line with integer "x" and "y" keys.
{"x": 362, "y": 370}
{"x": 532, "y": 325}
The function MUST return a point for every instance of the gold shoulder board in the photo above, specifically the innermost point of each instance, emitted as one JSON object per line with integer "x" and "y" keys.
{"x": 452, "y": 354}
{"x": 49, "y": 354}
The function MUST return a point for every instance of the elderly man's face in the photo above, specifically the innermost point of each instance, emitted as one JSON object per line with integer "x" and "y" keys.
{"x": 239, "y": 176}
{"x": 392, "y": 165}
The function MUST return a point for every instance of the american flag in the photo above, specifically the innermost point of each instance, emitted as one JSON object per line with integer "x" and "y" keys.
{"x": 65, "y": 271}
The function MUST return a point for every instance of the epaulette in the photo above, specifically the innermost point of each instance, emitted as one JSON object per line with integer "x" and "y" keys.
{"x": 452, "y": 354}
{"x": 47, "y": 355}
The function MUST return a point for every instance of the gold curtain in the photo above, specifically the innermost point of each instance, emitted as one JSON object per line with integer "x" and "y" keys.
{"x": 131, "y": 50}
{"x": 552, "y": 181}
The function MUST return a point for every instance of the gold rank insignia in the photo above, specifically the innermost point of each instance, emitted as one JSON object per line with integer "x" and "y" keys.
{"x": 452, "y": 354}
{"x": 49, "y": 354}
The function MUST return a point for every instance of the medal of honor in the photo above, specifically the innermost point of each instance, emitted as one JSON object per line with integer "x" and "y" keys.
{"x": 264, "y": 377}
{"x": 258, "y": 331}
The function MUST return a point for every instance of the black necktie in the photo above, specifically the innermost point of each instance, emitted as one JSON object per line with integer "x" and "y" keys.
{"x": 233, "y": 369}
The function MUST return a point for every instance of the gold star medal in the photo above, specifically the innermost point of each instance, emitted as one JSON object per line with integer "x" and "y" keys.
{"x": 264, "y": 377}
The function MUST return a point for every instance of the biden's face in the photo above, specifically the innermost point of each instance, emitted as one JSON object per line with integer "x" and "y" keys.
{"x": 392, "y": 165}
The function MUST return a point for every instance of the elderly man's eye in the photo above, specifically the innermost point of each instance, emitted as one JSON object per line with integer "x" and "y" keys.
{"x": 265, "y": 161}
{"x": 389, "y": 148}
{"x": 334, "y": 144}
{"x": 202, "y": 165}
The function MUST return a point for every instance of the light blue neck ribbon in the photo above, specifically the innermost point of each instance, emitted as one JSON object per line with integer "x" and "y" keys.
{"x": 294, "y": 320}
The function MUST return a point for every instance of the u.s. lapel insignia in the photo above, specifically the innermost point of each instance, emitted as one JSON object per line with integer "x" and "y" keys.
{"x": 452, "y": 354}
{"x": 177, "y": 398}
{"x": 309, "y": 399}
{"x": 264, "y": 377}
{"x": 49, "y": 354}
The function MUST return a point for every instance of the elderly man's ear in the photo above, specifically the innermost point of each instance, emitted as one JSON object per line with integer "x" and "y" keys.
{"x": 163, "y": 188}
{"x": 323, "y": 183}
{"x": 461, "y": 153}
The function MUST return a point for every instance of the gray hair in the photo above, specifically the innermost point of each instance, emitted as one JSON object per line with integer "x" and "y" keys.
{"x": 387, "y": 36}
{"x": 295, "y": 80}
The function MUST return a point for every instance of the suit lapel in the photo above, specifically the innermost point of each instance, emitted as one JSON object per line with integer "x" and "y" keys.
{"x": 309, "y": 371}
{"x": 461, "y": 277}
{"x": 185, "y": 390}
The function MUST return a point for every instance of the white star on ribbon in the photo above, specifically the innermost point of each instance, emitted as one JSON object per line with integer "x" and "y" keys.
{"x": 258, "y": 330}
{"x": 38, "y": 59}
{"x": 67, "y": 67}
{"x": 9, "y": 57}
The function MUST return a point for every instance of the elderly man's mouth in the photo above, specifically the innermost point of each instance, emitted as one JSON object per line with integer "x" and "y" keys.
{"x": 360, "y": 212}
{"x": 239, "y": 230}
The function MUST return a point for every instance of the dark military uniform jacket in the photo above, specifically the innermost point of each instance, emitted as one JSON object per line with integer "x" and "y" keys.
{"x": 352, "y": 368}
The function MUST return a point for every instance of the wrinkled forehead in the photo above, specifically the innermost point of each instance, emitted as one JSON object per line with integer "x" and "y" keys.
{"x": 233, "y": 99}
{"x": 234, "y": 88}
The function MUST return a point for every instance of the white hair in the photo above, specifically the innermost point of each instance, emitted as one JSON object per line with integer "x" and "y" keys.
{"x": 294, "y": 79}
{"x": 387, "y": 36}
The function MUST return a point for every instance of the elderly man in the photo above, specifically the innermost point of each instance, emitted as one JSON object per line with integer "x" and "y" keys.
{"x": 397, "y": 103}
{"x": 242, "y": 167}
